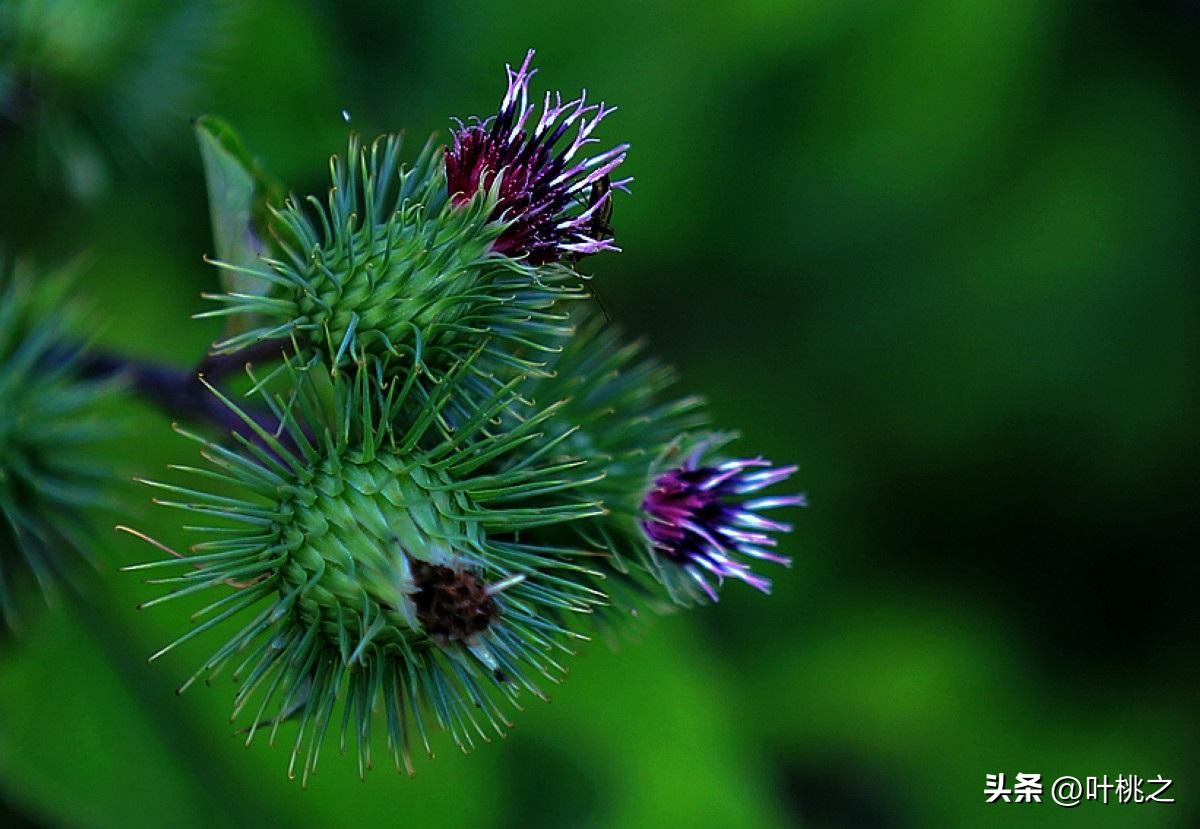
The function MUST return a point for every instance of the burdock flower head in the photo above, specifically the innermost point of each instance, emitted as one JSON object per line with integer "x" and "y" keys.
{"x": 378, "y": 565}
{"x": 449, "y": 473}
{"x": 555, "y": 203}
{"x": 698, "y": 516}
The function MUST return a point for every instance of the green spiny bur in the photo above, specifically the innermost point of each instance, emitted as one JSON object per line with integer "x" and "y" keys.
{"x": 388, "y": 266}
{"x": 662, "y": 467}
{"x": 363, "y": 556}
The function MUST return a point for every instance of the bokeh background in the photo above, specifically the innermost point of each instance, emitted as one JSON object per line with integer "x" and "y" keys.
{"x": 942, "y": 254}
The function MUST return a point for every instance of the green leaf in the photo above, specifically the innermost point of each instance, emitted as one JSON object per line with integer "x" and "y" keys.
{"x": 238, "y": 192}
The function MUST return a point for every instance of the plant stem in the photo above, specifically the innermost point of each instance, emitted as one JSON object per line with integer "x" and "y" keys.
{"x": 180, "y": 393}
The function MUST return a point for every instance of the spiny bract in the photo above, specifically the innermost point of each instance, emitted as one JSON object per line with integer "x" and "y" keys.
{"x": 375, "y": 557}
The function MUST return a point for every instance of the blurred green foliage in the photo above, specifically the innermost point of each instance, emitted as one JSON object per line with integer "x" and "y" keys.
{"x": 941, "y": 254}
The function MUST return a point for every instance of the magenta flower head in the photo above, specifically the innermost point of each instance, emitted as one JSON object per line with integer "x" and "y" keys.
{"x": 700, "y": 518}
{"x": 555, "y": 200}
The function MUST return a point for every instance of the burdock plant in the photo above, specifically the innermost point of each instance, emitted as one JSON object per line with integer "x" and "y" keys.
{"x": 448, "y": 468}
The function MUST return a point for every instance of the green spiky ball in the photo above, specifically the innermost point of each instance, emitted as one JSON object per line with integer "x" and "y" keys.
{"x": 389, "y": 267}
{"x": 360, "y": 557}
{"x": 623, "y": 410}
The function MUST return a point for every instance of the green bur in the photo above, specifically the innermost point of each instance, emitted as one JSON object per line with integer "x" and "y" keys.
{"x": 425, "y": 526}
{"x": 389, "y": 267}
{"x": 382, "y": 568}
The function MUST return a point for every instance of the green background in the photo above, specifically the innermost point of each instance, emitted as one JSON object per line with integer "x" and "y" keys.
{"x": 943, "y": 255}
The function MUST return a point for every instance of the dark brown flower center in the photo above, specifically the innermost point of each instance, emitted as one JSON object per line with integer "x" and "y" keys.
{"x": 452, "y": 604}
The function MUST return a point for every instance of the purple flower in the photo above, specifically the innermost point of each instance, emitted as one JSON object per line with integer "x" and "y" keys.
{"x": 699, "y": 518}
{"x": 555, "y": 201}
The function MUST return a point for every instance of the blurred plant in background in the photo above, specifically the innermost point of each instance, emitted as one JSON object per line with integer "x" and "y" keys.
{"x": 52, "y": 422}
{"x": 87, "y": 86}
{"x": 964, "y": 237}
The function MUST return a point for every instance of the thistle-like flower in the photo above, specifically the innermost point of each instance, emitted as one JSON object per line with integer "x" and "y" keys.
{"x": 698, "y": 517}
{"x": 390, "y": 268}
{"x": 404, "y": 520}
{"x": 554, "y": 204}
{"x": 381, "y": 559}
{"x": 673, "y": 521}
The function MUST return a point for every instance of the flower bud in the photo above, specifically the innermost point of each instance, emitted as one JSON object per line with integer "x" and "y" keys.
{"x": 377, "y": 564}
{"x": 671, "y": 521}
{"x": 392, "y": 268}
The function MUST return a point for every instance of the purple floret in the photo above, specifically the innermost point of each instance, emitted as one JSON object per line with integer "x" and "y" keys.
{"x": 699, "y": 518}
{"x": 555, "y": 200}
